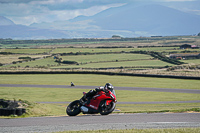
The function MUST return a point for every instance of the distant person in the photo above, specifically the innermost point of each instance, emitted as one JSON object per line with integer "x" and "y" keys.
{"x": 72, "y": 84}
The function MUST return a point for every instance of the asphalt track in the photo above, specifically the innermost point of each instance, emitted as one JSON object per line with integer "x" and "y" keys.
{"x": 98, "y": 122}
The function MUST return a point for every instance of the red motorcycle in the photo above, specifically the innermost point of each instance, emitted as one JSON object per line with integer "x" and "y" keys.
{"x": 103, "y": 103}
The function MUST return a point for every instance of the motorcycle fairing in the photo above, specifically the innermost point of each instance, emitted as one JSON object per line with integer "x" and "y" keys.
{"x": 90, "y": 110}
{"x": 95, "y": 101}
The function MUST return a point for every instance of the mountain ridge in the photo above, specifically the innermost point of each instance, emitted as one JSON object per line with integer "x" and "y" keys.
{"x": 147, "y": 19}
{"x": 6, "y": 21}
{"x": 126, "y": 21}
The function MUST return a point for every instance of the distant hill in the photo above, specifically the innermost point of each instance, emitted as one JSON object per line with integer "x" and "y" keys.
{"x": 126, "y": 21}
{"x": 5, "y": 21}
{"x": 151, "y": 19}
{"x": 11, "y": 30}
{"x": 26, "y": 32}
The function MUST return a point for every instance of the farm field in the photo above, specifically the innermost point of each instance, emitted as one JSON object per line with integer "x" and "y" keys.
{"x": 99, "y": 50}
{"x": 94, "y": 58}
{"x": 147, "y": 63}
{"x": 26, "y": 51}
{"x": 130, "y": 55}
{"x": 101, "y": 60}
{"x": 131, "y": 60}
{"x": 89, "y": 50}
{"x": 44, "y": 62}
{"x": 8, "y": 59}
{"x": 197, "y": 61}
{"x": 105, "y": 57}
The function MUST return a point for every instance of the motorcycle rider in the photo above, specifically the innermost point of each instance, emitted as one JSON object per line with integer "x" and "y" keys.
{"x": 72, "y": 84}
{"x": 88, "y": 96}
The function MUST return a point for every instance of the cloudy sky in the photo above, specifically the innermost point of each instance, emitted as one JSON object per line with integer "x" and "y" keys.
{"x": 27, "y": 12}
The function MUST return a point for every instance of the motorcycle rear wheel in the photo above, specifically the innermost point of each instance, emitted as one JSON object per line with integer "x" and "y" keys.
{"x": 106, "y": 109}
{"x": 73, "y": 108}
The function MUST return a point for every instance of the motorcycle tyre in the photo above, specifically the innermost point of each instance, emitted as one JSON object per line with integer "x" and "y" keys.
{"x": 110, "y": 110}
{"x": 74, "y": 112}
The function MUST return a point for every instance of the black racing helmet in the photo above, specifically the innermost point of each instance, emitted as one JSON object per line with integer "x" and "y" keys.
{"x": 109, "y": 86}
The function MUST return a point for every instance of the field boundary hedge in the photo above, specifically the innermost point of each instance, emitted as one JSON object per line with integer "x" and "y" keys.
{"x": 106, "y": 73}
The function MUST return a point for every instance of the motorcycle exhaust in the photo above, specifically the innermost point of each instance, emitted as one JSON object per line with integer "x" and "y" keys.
{"x": 84, "y": 109}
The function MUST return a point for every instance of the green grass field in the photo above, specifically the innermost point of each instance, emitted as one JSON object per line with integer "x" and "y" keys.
{"x": 99, "y": 80}
{"x": 41, "y": 62}
{"x": 142, "y": 63}
{"x": 105, "y": 57}
{"x": 27, "y": 51}
{"x": 6, "y": 59}
{"x": 90, "y": 50}
{"x": 196, "y": 61}
{"x": 99, "y": 50}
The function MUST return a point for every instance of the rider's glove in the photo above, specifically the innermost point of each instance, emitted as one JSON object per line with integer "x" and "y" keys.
{"x": 106, "y": 91}
{"x": 97, "y": 89}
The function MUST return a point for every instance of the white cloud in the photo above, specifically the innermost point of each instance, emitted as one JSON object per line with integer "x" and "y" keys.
{"x": 22, "y": 13}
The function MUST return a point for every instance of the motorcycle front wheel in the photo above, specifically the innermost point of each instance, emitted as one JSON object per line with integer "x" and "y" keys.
{"x": 106, "y": 109}
{"x": 73, "y": 108}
